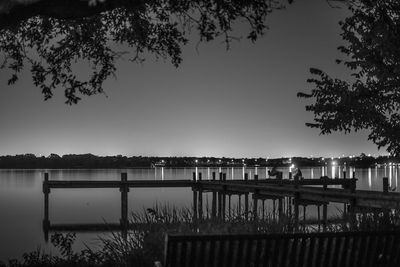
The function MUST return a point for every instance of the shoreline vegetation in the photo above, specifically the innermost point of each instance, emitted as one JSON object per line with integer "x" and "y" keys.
{"x": 144, "y": 246}
{"x": 90, "y": 161}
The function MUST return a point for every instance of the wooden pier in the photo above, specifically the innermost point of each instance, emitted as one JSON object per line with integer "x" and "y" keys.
{"x": 289, "y": 194}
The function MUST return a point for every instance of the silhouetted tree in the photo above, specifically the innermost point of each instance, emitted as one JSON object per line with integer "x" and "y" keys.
{"x": 371, "y": 98}
{"x": 53, "y": 37}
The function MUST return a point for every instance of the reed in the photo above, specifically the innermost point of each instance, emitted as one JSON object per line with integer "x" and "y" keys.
{"x": 145, "y": 243}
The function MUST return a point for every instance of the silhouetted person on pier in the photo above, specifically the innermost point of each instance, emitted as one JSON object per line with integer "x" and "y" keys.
{"x": 298, "y": 174}
{"x": 275, "y": 172}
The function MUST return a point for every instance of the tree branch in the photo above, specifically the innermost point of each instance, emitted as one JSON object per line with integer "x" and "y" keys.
{"x": 61, "y": 9}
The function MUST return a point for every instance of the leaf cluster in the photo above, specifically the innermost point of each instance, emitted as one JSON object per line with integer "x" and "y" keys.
{"x": 371, "y": 99}
{"x": 56, "y": 47}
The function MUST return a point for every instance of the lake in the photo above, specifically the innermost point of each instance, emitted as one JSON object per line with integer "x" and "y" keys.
{"x": 21, "y": 198}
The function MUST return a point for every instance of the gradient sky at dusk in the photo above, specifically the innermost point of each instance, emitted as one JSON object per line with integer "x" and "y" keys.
{"x": 236, "y": 103}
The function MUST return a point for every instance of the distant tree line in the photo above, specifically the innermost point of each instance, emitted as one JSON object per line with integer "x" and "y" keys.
{"x": 90, "y": 161}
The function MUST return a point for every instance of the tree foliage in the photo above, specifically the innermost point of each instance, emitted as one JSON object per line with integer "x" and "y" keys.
{"x": 371, "y": 98}
{"x": 51, "y": 37}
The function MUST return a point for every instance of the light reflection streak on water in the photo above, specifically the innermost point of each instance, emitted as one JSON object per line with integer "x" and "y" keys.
{"x": 256, "y": 170}
{"x": 369, "y": 178}
{"x": 323, "y": 171}
{"x": 312, "y": 173}
{"x": 340, "y": 171}
{"x": 162, "y": 173}
{"x": 208, "y": 173}
{"x": 232, "y": 173}
{"x": 196, "y": 173}
{"x": 333, "y": 172}
{"x": 390, "y": 176}
{"x": 155, "y": 173}
{"x": 243, "y": 171}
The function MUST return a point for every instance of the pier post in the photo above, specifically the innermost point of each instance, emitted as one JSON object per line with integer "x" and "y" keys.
{"x": 194, "y": 204}
{"x": 124, "y": 189}
{"x": 255, "y": 177}
{"x": 255, "y": 208}
{"x": 224, "y": 177}
{"x": 353, "y": 185}
{"x": 229, "y": 206}
{"x": 344, "y": 174}
{"x": 200, "y": 203}
{"x": 385, "y": 184}
{"x": 194, "y": 177}
{"x": 296, "y": 211}
{"x": 354, "y": 174}
{"x": 46, "y": 221}
{"x": 246, "y": 206}
{"x": 324, "y": 216}
{"x": 280, "y": 209}
{"x": 220, "y": 176}
{"x": 246, "y": 176}
{"x": 239, "y": 205}
{"x": 290, "y": 175}
{"x": 214, "y": 205}
{"x": 223, "y": 204}
{"x": 200, "y": 176}
{"x": 213, "y": 176}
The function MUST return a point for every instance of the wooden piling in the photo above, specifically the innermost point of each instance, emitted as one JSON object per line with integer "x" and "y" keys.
{"x": 213, "y": 176}
{"x": 239, "y": 205}
{"x": 246, "y": 177}
{"x": 214, "y": 205}
{"x": 124, "y": 189}
{"x": 324, "y": 216}
{"x": 246, "y": 206}
{"x": 229, "y": 206}
{"x": 194, "y": 177}
{"x": 194, "y": 204}
{"x": 200, "y": 176}
{"x": 255, "y": 177}
{"x": 385, "y": 184}
{"x": 46, "y": 220}
{"x": 280, "y": 209}
{"x": 296, "y": 211}
{"x": 255, "y": 207}
{"x": 200, "y": 203}
{"x": 223, "y": 205}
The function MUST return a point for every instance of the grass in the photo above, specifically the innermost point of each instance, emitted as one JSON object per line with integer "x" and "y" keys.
{"x": 145, "y": 243}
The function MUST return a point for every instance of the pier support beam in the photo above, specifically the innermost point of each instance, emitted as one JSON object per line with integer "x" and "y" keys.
{"x": 246, "y": 206}
{"x": 46, "y": 221}
{"x": 214, "y": 205}
{"x": 200, "y": 203}
{"x": 194, "y": 190}
{"x": 124, "y": 189}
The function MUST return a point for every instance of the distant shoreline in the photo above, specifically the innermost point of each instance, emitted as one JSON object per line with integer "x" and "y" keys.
{"x": 89, "y": 161}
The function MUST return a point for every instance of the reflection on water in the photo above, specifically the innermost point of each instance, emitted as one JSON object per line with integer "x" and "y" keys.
{"x": 21, "y": 198}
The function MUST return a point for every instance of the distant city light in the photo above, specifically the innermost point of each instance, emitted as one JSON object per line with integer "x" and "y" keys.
{"x": 334, "y": 163}
{"x": 196, "y": 161}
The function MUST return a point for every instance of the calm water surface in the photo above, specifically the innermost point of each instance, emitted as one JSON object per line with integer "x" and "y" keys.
{"x": 21, "y": 198}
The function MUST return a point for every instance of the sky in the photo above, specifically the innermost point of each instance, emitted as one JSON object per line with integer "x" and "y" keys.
{"x": 236, "y": 103}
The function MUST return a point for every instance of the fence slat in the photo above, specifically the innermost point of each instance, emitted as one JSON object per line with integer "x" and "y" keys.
{"x": 303, "y": 250}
